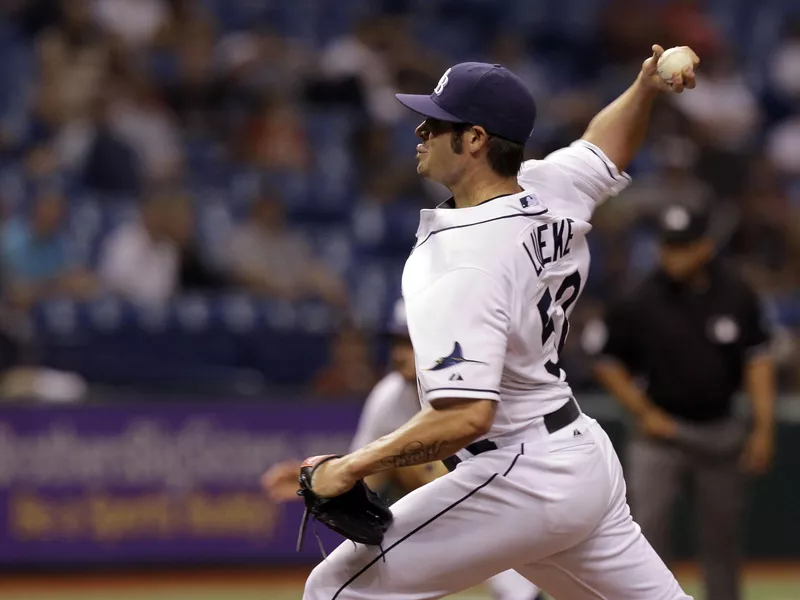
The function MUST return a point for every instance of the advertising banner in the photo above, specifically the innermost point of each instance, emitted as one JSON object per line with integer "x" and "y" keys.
{"x": 157, "y": 482}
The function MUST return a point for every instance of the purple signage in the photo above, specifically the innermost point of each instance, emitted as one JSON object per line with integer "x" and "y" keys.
{"x": 157, "y": 482}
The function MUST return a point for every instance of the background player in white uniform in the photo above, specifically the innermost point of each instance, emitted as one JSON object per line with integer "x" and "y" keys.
{"x": 391, "y": 404}
{"x": 488, "y": 288}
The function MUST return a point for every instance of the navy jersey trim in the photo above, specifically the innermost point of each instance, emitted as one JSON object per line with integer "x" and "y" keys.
{"x": 456, "y": 389}
{"x": 451, "y": 201}
{"x": 412, "y": 532}
{"x": 514, "y": 462}
{"x": 432, "y": 233}
{"x": 495, "y": 198}
{"x": 605, "y": 164}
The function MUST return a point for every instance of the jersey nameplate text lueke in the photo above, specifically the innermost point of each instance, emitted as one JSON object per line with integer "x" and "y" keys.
{"x": 548, "y": 242}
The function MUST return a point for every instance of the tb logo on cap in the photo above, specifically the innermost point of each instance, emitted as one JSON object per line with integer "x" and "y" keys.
{"x": 442, "y": 82}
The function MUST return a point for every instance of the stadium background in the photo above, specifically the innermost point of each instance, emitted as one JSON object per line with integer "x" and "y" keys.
{"x": 260, "y": 138}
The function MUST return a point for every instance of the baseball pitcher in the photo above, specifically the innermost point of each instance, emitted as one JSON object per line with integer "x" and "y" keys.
{"x": 534, "y": 484}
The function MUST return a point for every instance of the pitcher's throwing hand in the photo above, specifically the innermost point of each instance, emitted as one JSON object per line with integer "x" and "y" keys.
{"x": 675, "y": 73}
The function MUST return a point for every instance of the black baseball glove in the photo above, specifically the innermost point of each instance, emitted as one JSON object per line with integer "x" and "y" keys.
{"x": 359, "y": 514}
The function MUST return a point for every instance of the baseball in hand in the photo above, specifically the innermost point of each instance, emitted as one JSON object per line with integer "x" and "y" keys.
{"x": 674, "y": 61}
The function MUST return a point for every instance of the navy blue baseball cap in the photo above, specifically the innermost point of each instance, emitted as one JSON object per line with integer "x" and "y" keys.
{"x": 480, "y": 94}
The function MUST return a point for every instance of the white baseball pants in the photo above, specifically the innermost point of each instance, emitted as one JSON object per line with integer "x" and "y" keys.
{"x": 553, "y": 509}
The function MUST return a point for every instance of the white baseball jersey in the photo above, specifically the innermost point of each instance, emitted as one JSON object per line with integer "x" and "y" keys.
{"x": 489, "y": 289}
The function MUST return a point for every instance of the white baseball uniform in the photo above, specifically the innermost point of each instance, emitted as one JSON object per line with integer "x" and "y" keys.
{"x": 488, "y": 292}
{"x": 392, "y": 402}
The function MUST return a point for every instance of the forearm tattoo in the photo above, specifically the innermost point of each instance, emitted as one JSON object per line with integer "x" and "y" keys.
{"x": 415, "y": 453}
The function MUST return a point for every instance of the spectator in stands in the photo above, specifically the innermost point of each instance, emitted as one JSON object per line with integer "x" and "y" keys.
{"x": 359, "y": 56}
{"x": 626, "y": 26}
{"x": 38, "y": 142}
{"x": 135, "y": 23}
{"x": 198, "y": 95}
{"x": 56, "y": 133}
{"x": 72, "y": 59}
{"x": 387, "y": 176}
{"x": 110, "y": 165}
{"x": 612, "y": 248}
{"x": 726, "y": 120}
{"x": 271, "y": 259}
{"x": 351, "y": 369}
{"x": 674, "y": 157}
{"x": 687, "y": 23}
{"x": 726, "y": 112}
{"x": 138, "y": 116}
{"x": 275, "y": 138}
{"x": 183, "y": 16}
{"x": 250, "y": 62}
{"x": 264, "y": 59}
{"x": 767, "y": 231}
{"x": 140, "y": 261}
{"x": 784, "y": 66}
{"x": 564, "y": 112}
{"x": 783, "y": 145}
{"x": 36, "y": 259}
{"x": 413, "y": 66}
{"x": 197, "y": 271}
{"x": 508, "y": 49}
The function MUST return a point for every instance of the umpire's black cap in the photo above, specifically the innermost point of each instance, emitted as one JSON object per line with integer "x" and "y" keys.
{"x": 681, "y": 224}
{"x": 480, "y": 94}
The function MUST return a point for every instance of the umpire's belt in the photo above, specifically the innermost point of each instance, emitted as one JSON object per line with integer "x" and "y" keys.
{"x": 558, "y": 419}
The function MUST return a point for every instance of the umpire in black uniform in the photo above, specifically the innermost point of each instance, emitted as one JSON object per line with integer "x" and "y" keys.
{"x": 695, "y": 332}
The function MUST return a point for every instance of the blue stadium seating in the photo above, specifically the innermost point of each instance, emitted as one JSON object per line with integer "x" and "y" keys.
{"x": 231, "y": 339}
{"x": 386, "y": 230}
{"x": 117, "y": 342}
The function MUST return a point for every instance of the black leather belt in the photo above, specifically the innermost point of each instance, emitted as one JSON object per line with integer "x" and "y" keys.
{"x": 558, "y": 419}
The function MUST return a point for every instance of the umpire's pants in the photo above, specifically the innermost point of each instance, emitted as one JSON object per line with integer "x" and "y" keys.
{"x": 706, "y": 456}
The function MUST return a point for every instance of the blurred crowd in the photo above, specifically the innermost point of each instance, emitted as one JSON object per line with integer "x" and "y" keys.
{"x": 158, "y": 150}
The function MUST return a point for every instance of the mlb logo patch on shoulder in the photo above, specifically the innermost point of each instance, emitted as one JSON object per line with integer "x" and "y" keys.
{"x": 529, "y": 200}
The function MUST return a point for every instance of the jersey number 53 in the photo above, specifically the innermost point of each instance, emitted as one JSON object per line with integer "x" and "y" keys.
{"x": 555, "y": 320}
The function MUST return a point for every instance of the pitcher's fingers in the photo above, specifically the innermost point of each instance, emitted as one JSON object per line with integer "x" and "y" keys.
{"x": 689, "y": 81}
